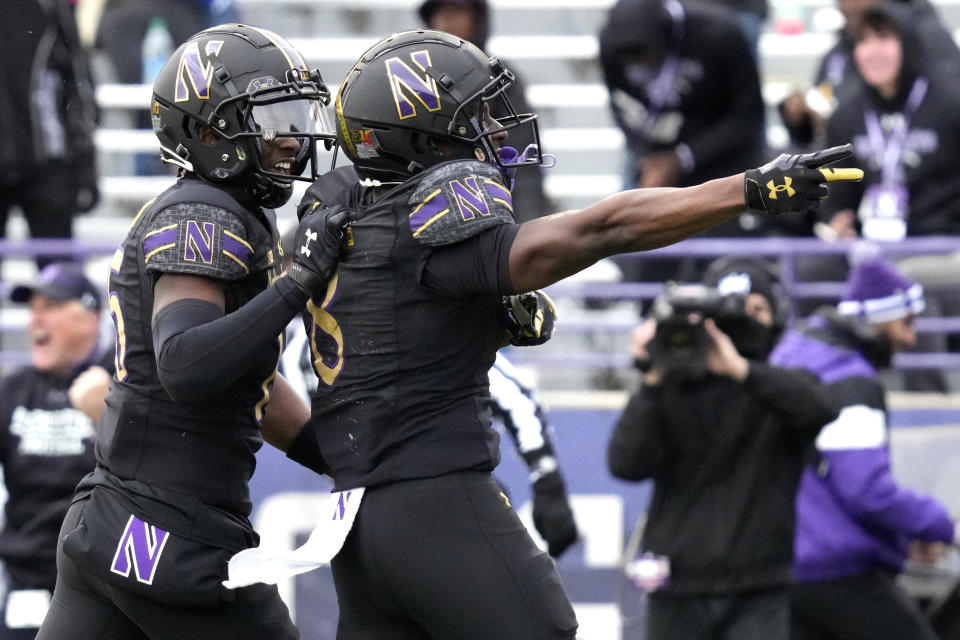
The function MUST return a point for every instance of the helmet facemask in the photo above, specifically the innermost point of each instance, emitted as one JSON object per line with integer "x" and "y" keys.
{"x": 481, "y": 117}
{"x": 272, "y": 112}
{"x": 420, "y": 98}
{"x": 252, "y": 90}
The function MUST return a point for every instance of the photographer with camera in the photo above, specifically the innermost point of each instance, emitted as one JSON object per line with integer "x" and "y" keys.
{"x": 724, "y": 438}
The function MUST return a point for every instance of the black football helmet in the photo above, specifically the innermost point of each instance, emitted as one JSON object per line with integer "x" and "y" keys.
{"x": 420, "y": 86}
{"x": 250, "y": 86}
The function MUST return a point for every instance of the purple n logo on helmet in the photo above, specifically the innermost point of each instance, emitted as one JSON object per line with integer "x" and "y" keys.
{"x": 406, "y": 84}
{"x": 192, "y": 67}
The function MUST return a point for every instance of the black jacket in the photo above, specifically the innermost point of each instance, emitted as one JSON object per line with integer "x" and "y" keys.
{"x": 47, "y": 108}
{"x": 931, "y": 148}
{"x": 46, "y": 447}
{"x": 725, "y": 459}
{"x": 713, "y": 104}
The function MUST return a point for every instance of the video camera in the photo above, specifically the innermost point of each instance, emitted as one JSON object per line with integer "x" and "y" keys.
{"x": 680, "y": 343}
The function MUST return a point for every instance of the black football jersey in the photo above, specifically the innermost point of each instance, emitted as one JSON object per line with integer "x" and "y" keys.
{"x": 205, "y": 450}
{"x": 408, "y": 328}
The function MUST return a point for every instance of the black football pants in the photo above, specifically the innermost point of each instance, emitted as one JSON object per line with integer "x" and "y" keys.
{"x": 85, "y": 608}
{"x": 446, "y": 558}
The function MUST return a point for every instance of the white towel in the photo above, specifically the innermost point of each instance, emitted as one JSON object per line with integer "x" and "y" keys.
{"x": 271, "y": 565}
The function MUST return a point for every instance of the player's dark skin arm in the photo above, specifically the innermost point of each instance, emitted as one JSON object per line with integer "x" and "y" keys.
{"x": 551, "y": 248}
{"x": 286, "y": 415}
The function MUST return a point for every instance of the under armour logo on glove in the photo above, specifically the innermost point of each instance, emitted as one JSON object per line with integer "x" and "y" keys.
{"x": 319, "y": 239}
{"x": 781, "y": 187}
{"x": 310, "y": 236}
{"x": 796, "y": 182}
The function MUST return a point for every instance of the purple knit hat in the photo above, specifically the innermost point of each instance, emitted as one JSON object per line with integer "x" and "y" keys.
{"x": 877, "y": 292}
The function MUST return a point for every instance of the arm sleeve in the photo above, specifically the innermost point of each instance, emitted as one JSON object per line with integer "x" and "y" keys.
{"x": 480, "y": 264}
{"x": 855, "y": 448}
{"x": 196, "y": 343}
{"x": 636, "y": 448}
{"x": 800, "y": 400}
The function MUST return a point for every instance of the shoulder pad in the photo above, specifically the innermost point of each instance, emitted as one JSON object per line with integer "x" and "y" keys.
{"x": 199, "y": 239}
{"x": 332, "y": 188}
{"x": 457, "y": 200}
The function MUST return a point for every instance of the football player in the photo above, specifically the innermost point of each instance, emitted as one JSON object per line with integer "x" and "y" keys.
{"x": 199, "y": 304}
{"x": 408, "y": 328}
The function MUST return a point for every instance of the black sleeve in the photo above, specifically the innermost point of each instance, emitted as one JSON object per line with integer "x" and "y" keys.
{"x": 738, "y": 120}
{"x": 196, "y": 344}
{"x": 480, "y": 264}
{"x": 636, "y": 448}
{"x": 800, "y": 400}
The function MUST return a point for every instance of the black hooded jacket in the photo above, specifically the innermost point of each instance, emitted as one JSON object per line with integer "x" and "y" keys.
{"x": 931, "y": 148}
{"x": 837, "y": 74}
{"x": 47, "y": 108}
{"x": 713, "y": 105}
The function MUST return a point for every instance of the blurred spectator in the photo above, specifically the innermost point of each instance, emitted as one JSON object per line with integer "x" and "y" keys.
{"x": 805, "y": 113}
{"x": 725, "y": 451}
{"x": 48, "y": 116}
{"x": 138, "y": 36}
{"x": 46, "y": 445}
{"x": 751, "y": 14}
{"x": 124, "y": 24}
{"x": 470, "y": 20}
{"x": 685, "y": 90}
{"x": 854, "y": 523}
{"x": 904, "y": 121}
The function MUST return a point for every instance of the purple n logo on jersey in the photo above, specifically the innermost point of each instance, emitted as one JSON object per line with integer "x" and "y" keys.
{"x": 192, "y": 68}
{"x": 140, "y": 547}
{"x": 199, "y": 241}
{"x": 470, "y": 198}
{"x": 407, "y": 85}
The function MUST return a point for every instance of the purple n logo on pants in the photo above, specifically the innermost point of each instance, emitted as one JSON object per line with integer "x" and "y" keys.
{"x": 140, "y": 547}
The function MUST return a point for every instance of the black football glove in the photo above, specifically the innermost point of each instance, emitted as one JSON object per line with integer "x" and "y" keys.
{"x": 552, "y": 516}
{"x": 796, "y": 182}
{"x": 316, "y": 249}
{"x": 528, "y": 318}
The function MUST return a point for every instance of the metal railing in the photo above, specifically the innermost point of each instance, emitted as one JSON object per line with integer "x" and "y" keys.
{"x": 785, "y": 251}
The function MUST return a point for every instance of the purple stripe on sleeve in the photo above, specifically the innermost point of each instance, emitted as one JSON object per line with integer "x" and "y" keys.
{"x": 501, "y": 193}
{"x": 150, "y": 243}
{"x": 427, "y": 211}
{"x": 240, "y": 250}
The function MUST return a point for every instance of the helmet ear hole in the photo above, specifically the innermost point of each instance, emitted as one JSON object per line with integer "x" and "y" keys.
{"x": 205, "y": 134}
